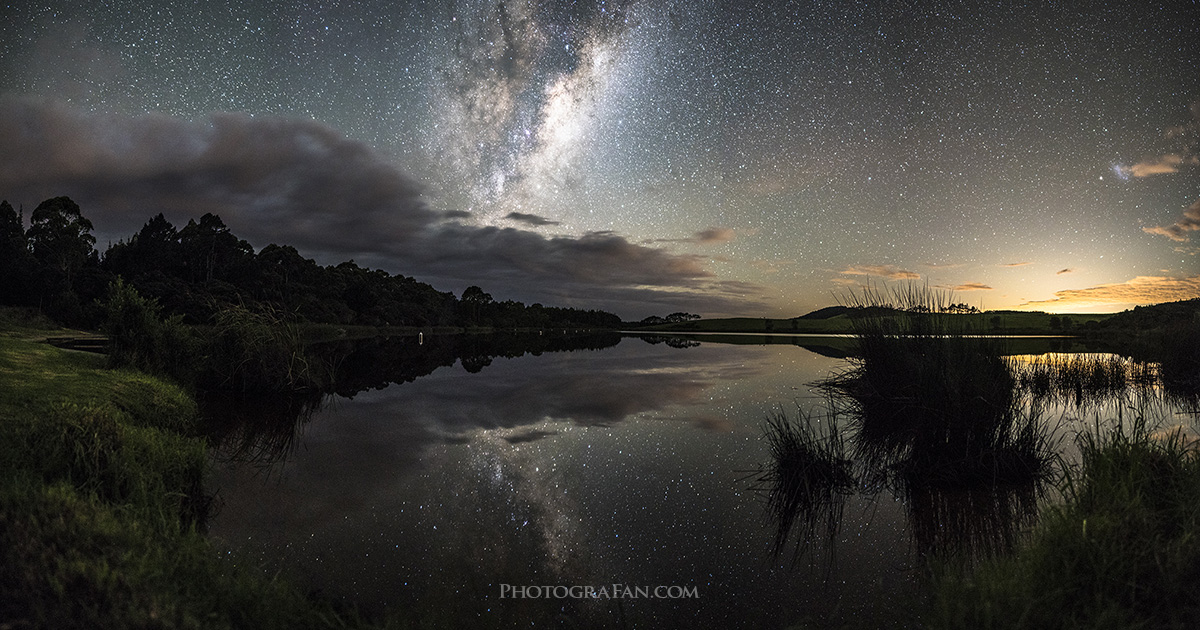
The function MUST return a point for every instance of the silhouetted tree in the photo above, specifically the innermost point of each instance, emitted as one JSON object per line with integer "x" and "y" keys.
{"x": 475, "y": 301}
{"x": 61, "y": 238}
{"x": 154, "y": 248}
{"x": 211, "y": 252}
{"x": 15, "y": 260}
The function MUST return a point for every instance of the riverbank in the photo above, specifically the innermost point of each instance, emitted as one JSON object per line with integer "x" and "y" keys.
{"x": 102, "y": 504}
{"x": 1119, "y": 552}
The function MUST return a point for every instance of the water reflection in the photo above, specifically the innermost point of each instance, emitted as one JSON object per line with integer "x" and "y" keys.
{"x": 265, "y": 428}
{"x": 605, "y": 467}
{"x": 443, "y": 471}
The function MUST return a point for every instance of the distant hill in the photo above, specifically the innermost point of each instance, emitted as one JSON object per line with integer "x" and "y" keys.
{"x": 826, "y": 313}
{"x": 1156, "y": 316}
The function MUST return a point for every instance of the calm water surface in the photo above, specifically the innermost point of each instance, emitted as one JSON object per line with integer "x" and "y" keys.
{"x": 589, "y": 468}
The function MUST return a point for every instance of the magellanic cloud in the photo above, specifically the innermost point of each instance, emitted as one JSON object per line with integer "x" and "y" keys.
{"x": 890, "y": 272}
{"x": 1139, "y": 290}
{"x": 298, "y": 182}
{"x": 1178, "y": 231}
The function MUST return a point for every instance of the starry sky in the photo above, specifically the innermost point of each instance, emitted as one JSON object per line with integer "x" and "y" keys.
{"x": 637, "y": 156}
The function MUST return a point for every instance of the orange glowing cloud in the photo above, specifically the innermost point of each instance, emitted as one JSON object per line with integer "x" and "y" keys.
{"x": 891, "y": 272}
{"x": 1168, "y": 163}
{"x": 973, "y": 286}
{"x": 1138, "y": 291}
{"x": 1178, "y": 231}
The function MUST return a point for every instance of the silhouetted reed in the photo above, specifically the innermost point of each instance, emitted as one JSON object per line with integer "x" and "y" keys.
{"x": 259, "y": 351}
{"x": 970, "y": 524}
{"x": 1180, "y": 364}
{"x": 931, "y": 401}
{"x": 806, "y": 483}
{"x": 1083, "y": 379}
{"x": 257, "y": 428}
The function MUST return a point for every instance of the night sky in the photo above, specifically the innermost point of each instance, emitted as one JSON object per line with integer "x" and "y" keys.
{"x": 641, "y": 157}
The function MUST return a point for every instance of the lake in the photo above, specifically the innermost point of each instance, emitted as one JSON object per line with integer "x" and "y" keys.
{"x": 626, "y": 469}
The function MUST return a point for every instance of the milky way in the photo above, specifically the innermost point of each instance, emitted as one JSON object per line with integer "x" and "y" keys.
{"x": 824, "y": 144}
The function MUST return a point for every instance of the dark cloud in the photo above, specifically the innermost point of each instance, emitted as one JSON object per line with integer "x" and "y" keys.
{"x": 1178, "y": 231}
{"x": 1016, "y": 264}
{"x": 529, "y": 435}
{"x": 531, "y": 219}
{"x": 271, "y": 179}
{"x": 1064, "y": 271}
{"x": 710, "y": 236}
{"x": 304, "y": 184}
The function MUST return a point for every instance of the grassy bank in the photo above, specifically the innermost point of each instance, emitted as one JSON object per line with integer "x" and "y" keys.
{"x": 102, "y": 500}
{"x": 1120, "y": 552}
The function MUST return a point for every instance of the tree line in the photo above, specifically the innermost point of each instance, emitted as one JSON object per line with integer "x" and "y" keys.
{"x": 202, "y": 268}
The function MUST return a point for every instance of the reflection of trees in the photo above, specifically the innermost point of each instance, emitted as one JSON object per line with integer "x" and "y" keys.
{"x": 264, "y": 428}
{"x": 671, "y": 341}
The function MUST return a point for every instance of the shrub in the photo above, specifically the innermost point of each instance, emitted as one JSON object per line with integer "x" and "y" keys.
{"x": 140, "y": 338}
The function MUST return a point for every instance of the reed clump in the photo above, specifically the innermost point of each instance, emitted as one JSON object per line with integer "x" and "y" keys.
{"x": 1180, "y": 362}
{"x": 932, "y": 400}
{"x": 242, "y": 350}
{"x": 809, "y": 476}
{"x": 257, "y": 351}
{"x": 1083, "y": 379}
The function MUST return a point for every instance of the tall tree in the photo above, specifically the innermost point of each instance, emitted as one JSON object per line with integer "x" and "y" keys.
{"x": 15, "y": 259}
{"x": 154, "y": 248}
{"x": 61, "y": 237}
{"x": 211, "y": 252}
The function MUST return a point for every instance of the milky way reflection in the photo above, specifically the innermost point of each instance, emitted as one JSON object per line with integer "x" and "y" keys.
{"x": 588, "y": 468}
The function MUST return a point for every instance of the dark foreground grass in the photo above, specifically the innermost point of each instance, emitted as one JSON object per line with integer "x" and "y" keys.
{"x": 1122, "y": 551}
{"x": 101, "y": 501}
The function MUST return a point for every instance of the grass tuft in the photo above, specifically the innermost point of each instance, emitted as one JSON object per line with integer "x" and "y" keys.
{"x": 1120, "y": 552}
{"x": 807, "y": 480}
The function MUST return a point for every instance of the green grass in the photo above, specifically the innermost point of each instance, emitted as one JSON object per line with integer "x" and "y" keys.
{"x": 1121, "y": 551}
{"x": 102, "y": 501}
